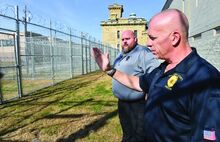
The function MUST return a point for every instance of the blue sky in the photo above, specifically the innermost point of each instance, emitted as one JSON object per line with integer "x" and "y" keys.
{"x": 84, "y": 15}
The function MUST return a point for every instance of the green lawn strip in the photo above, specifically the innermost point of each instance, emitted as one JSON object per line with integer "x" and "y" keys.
{"x": 79, "y": 109}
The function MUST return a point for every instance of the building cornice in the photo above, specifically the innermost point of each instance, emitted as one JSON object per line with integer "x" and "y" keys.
{"x": 121, "y": 24}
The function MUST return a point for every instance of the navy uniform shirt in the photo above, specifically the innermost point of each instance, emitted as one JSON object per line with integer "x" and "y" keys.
{"x": 137, "y": 62}
{"x": 184, "y": 103}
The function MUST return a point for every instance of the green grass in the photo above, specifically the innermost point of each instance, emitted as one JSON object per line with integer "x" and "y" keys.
{"x": 80, "y": 109}
{"x": 10, "y": 89}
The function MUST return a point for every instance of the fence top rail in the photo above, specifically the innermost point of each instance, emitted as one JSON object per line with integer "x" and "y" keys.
{"x": 46, "y": 27}
{"x": 37, "y": 25}
{"x": 8, "y": 17}
{"x": 7, "y": 33}
{"x": 51, "y": 29}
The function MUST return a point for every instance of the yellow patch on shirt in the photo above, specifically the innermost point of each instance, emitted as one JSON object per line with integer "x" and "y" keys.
{"x": 172, "y": 80}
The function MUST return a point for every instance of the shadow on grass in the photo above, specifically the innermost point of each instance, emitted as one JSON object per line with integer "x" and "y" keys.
{"x": 18, "y": 125}
{"x": 59, "y": 91}
{"x": 93, "y": 126}
{"x": 11, "y": 141}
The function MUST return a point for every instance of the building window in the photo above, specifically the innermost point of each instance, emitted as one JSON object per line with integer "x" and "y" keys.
{"x": 217, "y": 31}
{"x": 118, "y": 34}
{"x": 197, "y": 37}
{"x": 135, "y": 33}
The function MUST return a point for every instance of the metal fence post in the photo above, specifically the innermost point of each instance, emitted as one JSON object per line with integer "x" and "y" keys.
{"x": 17, "y": 55}
{"x": 82, "y": 36}
{"x": 32, "y": 57}
{"x": 51, "y": 54}
{"x": 71, "y": 55}
{"x": 86, "y": 48}
{"x": 90, "y": 66}
{"x": 1, "y": 95}
{"x": 25, "y": 39}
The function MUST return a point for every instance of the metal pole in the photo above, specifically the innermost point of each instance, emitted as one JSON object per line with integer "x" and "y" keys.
{"x": 1, "y": 95}
{"x": 25, "y": 40}
{"x": 51, "y": 54}
{"x": 71, "y": 55}
{"x": 86, "y": 48}
{"x": 82, "y": 36}
{"x": 17, "y": 56}
{"x": 25, "y": 21}
{"x": 32, "y": 56}
{"x": 90, "y": 66}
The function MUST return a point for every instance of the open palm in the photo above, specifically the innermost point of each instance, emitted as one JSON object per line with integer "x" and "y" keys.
{"x": 101, "y": 59}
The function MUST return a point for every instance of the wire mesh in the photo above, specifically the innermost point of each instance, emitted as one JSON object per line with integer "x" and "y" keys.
{"x": 41, "y": 56}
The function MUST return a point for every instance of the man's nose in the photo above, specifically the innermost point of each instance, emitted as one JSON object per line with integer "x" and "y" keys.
{"x": 149, "y": 42}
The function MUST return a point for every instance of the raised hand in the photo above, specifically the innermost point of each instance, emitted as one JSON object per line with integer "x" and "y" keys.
{"x": 101, "y": 59}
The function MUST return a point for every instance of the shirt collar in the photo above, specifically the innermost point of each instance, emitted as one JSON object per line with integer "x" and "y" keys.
{"x": 131, "y": 51}
{"x": 185, "y": 64}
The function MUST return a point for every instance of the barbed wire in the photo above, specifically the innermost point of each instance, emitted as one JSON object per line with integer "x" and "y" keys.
{"x": 27, "y": 16}
{"x": 8, "y": 10}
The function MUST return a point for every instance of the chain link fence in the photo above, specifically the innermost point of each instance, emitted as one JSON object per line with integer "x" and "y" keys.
{"x": 34, "y": 56}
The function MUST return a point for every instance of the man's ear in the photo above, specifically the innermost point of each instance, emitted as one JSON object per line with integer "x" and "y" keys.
{"x": 136, "y": 39}
{"x": 176, "y": 37}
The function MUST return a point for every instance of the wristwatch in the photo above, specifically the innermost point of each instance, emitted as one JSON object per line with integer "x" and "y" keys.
{"x": 111, "y": 72}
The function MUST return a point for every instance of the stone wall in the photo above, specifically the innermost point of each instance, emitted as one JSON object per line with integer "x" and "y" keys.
{"x": 204, "y": 26}
{"x": 109, "y": 34}
{"x": 116, "y": 24}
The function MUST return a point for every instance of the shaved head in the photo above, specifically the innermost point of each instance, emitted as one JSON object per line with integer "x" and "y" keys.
{"x": 168, "y": 35}
{"x": 128, "y": 32}
{"x": 171, "y": 20}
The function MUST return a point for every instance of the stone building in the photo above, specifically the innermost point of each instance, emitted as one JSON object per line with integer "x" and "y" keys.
{"x": 204, "y": 26}
{"x": 8, "y": 44}
{"x": 112, "y": 28}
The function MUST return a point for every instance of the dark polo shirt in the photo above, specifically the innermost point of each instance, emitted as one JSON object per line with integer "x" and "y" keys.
{"x": 183, "y": 104}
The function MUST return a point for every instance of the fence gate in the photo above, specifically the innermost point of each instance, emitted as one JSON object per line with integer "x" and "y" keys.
{"x": 9, "y": 88}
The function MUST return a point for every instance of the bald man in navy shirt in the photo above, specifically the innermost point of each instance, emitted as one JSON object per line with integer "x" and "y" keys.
{"x": 183, "y": 101}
